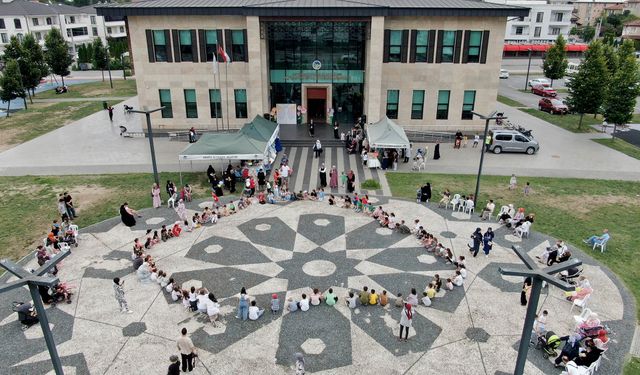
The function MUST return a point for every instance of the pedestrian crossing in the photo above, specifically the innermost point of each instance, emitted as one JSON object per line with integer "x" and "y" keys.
{"x": 305, "y": 169}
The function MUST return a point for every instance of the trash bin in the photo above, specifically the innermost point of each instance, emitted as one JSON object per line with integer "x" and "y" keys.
{"x": 105, "y": 105}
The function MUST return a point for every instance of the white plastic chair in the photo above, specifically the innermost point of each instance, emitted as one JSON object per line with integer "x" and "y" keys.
{"x": 454, "y": 202}
{"x": 582, "y": 317}
{"x": 503, "y": 210}
{"x": 468, "y": 207}
{"x": 581, "y": 303}
{"x": 523, "y": 230}
{"x": 602, "y": 245}
{"x": 462, "y": 205}
{"x": 74, "y": 229}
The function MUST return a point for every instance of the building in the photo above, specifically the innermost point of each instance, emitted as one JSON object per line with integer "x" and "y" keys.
{"x": 631, "y": 30}
{"x": 425, "y": 63}
{"x": 78, "y": 25}
{"x": 545, "y": 21}
{"x": 633, "y": 6}
{"x": 589, "y": 11}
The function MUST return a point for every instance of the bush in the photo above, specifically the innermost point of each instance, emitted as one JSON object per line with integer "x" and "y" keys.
{"x": 370, "y": 185}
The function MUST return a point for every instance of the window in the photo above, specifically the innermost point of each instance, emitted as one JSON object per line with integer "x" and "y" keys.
{"x": 417, "y": 105}
{"x": 395, "y": 45}
{"x": 109, "y": 31}
{"x": 2, "y": 26}
{"x": 521, "y": 18}
{"x": 94, "y": 30}
{"x": 159, "y": 45}
{"x": 38, "y": 36}
{"x": 237, "y": 47}
{"x": 558, "y": 17}
{"x": 392, "y": 103}
{"x": 49, "y": 21}
{"x": 537, "y": 31}
{"x": 240, "y": 96}
{"x": 4, "y": 38}
{"x": 35, "y": 21}
{"x": 72, "y": 19}
{"x": 467, "y": 104}
{"x": 69, "y": 33}
{"x": 165, "y": 101}
{"x": 93, "y": 20}
{"x": 422, "y": 46}
{"x": 215, "y": 103}
{"x": 519, "y": 30}
{"x": 186, "y": 47}
{"x": 211, "y": 43}
{"x": 555, "y": 31}
{"x": 520, "y": 138}
{"x": 20, "y": 36}
{"x": 503, "y": 137}
{"x": 473, "y": 50}
{"x": 190, "y": 103}
{"x": 442, "y": 112}
{"x": 448, "y": 45}
{"x": 122, "y": 29}
{"x": 17, "y": 24}
{"x": 539, "y": 17}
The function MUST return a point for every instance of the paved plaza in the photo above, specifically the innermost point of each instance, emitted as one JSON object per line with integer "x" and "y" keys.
{"x": 286, "y": 249}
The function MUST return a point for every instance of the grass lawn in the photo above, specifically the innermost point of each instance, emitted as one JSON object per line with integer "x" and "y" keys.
{"x": 570, "y": 209}
{"x": 510, "y": 102}
{"x": 29, "y": 204}
{"x": 41, "y": 118}
{"x": 620, "y": 145}
{"x": 632, "y": 367}
{"x": 568, "y": 122}
{"x": 94, "y": 90}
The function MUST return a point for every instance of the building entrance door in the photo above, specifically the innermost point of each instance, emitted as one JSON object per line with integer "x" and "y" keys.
{"x": 317, "y": 104}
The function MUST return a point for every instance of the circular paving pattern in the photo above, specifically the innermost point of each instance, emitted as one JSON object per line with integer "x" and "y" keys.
{"x": 287, "y": 250}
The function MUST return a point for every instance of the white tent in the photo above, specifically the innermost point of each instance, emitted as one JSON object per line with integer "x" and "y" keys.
{"x": 387, "y": 134}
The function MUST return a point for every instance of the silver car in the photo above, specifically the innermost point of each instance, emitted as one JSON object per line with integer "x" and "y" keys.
{"x": 512, "y": 141}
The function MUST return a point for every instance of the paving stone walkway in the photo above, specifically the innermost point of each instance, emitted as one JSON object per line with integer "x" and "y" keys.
{"x": 285, "y": 249}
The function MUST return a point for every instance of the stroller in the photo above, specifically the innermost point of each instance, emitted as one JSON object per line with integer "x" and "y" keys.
{"x": 548, "y": 343}
{"x": 26, "y": 314}
{"x": 571, "y": 275}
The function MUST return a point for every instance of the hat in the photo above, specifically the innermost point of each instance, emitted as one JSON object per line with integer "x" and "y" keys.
{"x": 173, "y": 358}
{"x": 274, "y": 296}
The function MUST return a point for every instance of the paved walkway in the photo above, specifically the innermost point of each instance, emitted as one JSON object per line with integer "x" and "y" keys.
{"x": 286, "y": 249}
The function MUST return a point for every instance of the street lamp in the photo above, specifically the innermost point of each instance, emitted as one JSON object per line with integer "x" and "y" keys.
{"x": 124, "y": 72}
{"x": 483, "y": 149}
{"x": 526, "y": 81}
{"x": 147, "y": 113}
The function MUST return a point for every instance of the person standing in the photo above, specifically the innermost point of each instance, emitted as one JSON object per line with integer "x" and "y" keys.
{"x": 476, "y": 240}
{"x": 336, "y": 130}
{"x": 406, "y": 319}
{"x": 312, "y": 129}
{"x": 333, "y": 177}
{"x": 187, "y": 351}
{"x": 174, "y": 367}
{"x": 487, "y": 142}
{"x": 487, "y": 241}
{"x": 323, "y": 175}
{"x": 155, "y": 194}
{"x": 351, "y": 180}
{"x": 119, "y": 294}
{"x": 110, "y": 110}
{"x": 317, "y": 148}
{"x": 436, "y": 152}
{"x": 526, "y": 290}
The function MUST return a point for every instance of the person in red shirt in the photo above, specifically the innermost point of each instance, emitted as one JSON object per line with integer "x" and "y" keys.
{"x": 176, "y": 229}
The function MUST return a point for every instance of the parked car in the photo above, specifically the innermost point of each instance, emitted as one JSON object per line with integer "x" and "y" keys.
{"x": 572, "y": 68}
{"x": 544, "y": 91}
{"x": 512, "y": 141}
{"x": 553, "y": 106}
{"x": 539, "y": 81}
{"x": 504, "y": 74}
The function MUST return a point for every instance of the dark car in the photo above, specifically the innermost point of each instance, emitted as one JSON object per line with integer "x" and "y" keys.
{"x": 544, "y": 91}
{"x": 553, "y": 106}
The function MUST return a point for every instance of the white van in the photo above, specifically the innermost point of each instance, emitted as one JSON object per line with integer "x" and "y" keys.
{"x": 572, "y": 68}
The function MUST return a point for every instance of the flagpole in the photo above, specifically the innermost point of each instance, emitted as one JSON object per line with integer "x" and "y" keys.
{"x": 220, "y": 94}
{"x": 216, "y": 72}
{"x": 226, "y": 78}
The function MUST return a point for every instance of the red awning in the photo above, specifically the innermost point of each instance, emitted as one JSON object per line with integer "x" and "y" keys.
{"x": 511, "y": 48}
{"x": 577, "y": 47}
{"x": 542, "y": 47}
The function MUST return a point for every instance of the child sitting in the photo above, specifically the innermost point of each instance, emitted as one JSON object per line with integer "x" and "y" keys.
{"x": 275, "y": 303}
{"x": 193, "y": 299}
{"x": 399, "y": 301}
{"x": 425, "y": 299}
{"x": 384, "y": 300}
{"x": 154, "y": 275}
{"x": 165, "y": 234}
{"x": 155, "y": 238}
{"x": 185, "y": 299}
{"x": 176, "y": 294}
{"x": 175, "y": 231}
{"x": 448, "y": 285}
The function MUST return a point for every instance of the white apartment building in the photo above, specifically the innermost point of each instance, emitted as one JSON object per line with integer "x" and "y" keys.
{"x": 546, "y": 20}
{"x": 78, "y": 25}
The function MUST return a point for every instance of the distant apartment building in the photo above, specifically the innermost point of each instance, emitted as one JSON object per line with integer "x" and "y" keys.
{"x": 78, "y": 25}
{"x": 588, "y": 12}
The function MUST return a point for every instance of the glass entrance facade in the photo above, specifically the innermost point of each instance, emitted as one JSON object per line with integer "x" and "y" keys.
{"x": 327, "y": 52}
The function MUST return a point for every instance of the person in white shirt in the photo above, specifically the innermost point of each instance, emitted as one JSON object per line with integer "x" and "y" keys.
{"x": 202, "y": 300}
{"x": 352, "y": 300}
{"x": 458, "y": 280}
{"x": 254, "y": 312}
{"x": 425, "y": 299}
{"x": 463, "y": 271}
{"x": 213, "y": 308}
{"x": 304, "y": 303}
{"x": 488, "y": 210}
{"x": 176, "y": 294}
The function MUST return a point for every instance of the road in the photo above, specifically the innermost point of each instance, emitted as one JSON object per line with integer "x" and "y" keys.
{"x": 519, "y": 65}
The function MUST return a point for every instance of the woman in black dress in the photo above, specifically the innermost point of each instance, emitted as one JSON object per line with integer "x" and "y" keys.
{"x": 425, "y": 193}
{"x": 526, "y": 286}
{"x": 436, "y": 152}
{"x": 127, "y": 215}
{"x": 210, "y": 173}
{"x": 323, "y": 176}
{"x": 351, "y": 181}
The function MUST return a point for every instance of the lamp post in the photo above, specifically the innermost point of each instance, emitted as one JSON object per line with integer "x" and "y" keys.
{"x": 124, "y": 71}
{"x": 147, "y": 113}
{"x": 538, "y": 276}
{"x": 526, "y": 80}
{"x": 483, "y": 149}
{"x": 33, "y": 280}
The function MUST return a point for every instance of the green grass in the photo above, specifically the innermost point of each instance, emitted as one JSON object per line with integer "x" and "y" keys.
{"x": 510, "y": 102}
{"x": 94, "y": 90}
{"x": 632, "y": 367}
{"x": 567, "y": 122}
{"x": 370, "y": 185}
{"x": 570, "y": 209}
{"x": 29, "y": 203}
{"x": 620, "y": 145}
{"x": 41, "y": 118}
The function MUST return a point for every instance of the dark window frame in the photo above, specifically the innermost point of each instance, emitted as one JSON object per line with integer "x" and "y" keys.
{"x": 393, "y": 55}
{"x": 466, "y": 107}
{"x": 448, "y": 46}
{"x": 421, "y": 50}
{"x": 186, "y": 50}
{"x": 417, "y": 108}
{"x": 241, "y": 107}
{"x": 167, "y": 111}
{"x": 17, "y": 24}
{"x": 160, "y": 51}
{"x": 190, "y": 108}
{"x": 392, "y": 107}
{"x": 215, "y": 107}
{"x": 442, "y": 107}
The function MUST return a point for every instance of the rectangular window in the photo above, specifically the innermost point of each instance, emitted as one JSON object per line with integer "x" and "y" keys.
{"x": 448, "y": 46}
{"x": 468, "y": 105}
{"x": 237, "y": 47}
{"x": 38, "y": 36}
{"x": 5, "y": 38}
{"x": 211, "y": 43}
{"x": 49, "y": 21}
{"x": 215, "y": 103}
{"x": 558, "y": 17}
{"x": 473, "y": 49}
{"x": 165, "y": 101}
{"x": 72, "y": 19}
{"x": 555, "y": 31}
{"x": 2, "y": 26}
{"x": 519, "y": 30}
{"x": 159, "y": 45}
{"x": 109, "y": 30}
{"x": 240, "y": 96}
{"x": 442, "y": 112}
{"x": 393, "y": 96}
{"x": 122, "y": 29}
{"x": 35, "y": 21}
{"x": 417, "y": 105}
{"x": 186, "y": 47}
{"x": 395, "y": 45}
{"x": 17, "y": 24}
{"x": 190, "y": 103}
{"x": 537, "y": 31}
{"x": 422, "y": 45}
{"x": 93, "y": 20}
{"x": 539, "y": 17}
{"x": 94, "y": 30}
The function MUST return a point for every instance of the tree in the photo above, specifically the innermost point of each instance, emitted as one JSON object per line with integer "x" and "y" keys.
{"x": 555, "y": 63}
{"x": 99, "y": 56}
{"x": 611, "y": 57}
{"x": 10, "y": 83}
{"x": 623, "y": 88}
{"x": 57, "y": 54}
{"x": 588, "y": 86}
{"x": 34, "y": 67}
{"x": 587, "y": 33}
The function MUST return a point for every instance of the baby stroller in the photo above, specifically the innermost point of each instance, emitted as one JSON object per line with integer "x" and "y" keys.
{"x": 26, "y": 314}
{"x": 571, "y": 275}
{"x": 549, "y": 342}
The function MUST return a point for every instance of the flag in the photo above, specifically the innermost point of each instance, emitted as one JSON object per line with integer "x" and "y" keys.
{"x": 223, "y": 54}
{"x": 215, "y": 64}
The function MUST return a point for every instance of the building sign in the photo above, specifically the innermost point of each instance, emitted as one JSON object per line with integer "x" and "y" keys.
{"x": 316, "y": 65}
{"x": 316, "y": 76}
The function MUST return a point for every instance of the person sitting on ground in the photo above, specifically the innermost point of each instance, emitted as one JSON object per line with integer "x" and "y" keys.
{"x": 176, "y": 294}
{"x": 598, "y": 240}
{"x": 364, "y": 296}
{"x": 432, "y": 290}
{"x": 202, "y": 297}
{"x": 275, "y": 303}
{"x": 377, "y": 212}
{"x": 488, "y": 210}
{"x": 176, "y": 229}
{"x": 330, "y": 298}
{"x": 425, "y": 299}
{"x": 144, "y": 272}
{"x": 254, "y": 312}
{"x": 373, "y": 297}
{"x": 448, "y": 285}
{"x": 403, "y": 228}
{"x": 463, "y": 271}
{"x": 384, "y": 299}
{"x": 413, "y": 297}
{"x": 399, "y": 302}
{"x": 213, "y": 308}
{"x": 458, "y": 280}
{"x": 292, "y": 305}
{"x": 315, "y": 297}
{"x": 304, "y": 303}
{"x": 351, "y": 300}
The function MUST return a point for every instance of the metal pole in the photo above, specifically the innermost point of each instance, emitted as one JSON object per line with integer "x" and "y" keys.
{"x": 46, "y": 331}
{"x": 124, "y": 71}
{"x": 523, "y": 348}
{"x": 216, "y": 90}
{"x": 153, "y": 150}
{"x": 226, "y": 78}
{"x": 483, "y": 148}
{"x": 109, "y": 65}
{"x": 526, "y": 80}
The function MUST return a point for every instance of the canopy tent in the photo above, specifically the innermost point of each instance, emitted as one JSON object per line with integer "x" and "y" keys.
{"x": 387, "y": 134}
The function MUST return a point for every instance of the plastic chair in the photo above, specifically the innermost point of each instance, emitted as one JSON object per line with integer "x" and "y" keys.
{"x": 462, "y": 205}
{"x": 503, "y": 210}
{"x": 453, "y": 202}
{"x": 602, "y": 245}
{"x": 523, "y": 230}
{"x": 582, "y": 317}
{"x": 468, "y": 208}
{"x": 581, "y": 303}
